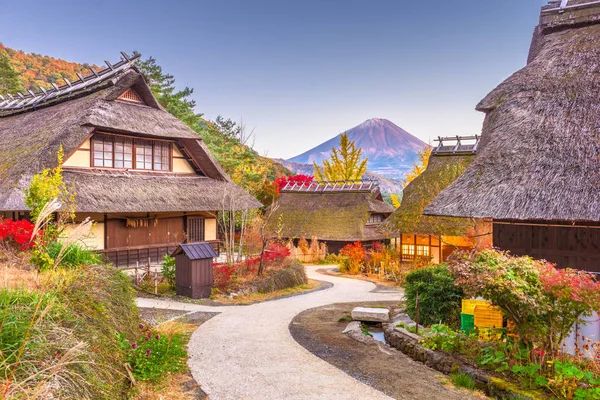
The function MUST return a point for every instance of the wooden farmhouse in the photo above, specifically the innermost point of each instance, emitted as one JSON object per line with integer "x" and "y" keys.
{"x": 433, "y": 238}
{"x": 147, "y": 180}
{"x": 337, "y": 213}
{"x": 537, "y": 170}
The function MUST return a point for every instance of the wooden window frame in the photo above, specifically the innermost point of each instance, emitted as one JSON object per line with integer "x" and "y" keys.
{"x": 134, "y": 145}
{"x": 375, "y": 219}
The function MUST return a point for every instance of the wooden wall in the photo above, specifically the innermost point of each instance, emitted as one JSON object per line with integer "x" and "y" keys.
{"x": 166, "y": 230}
{"x": 567, "y": 246}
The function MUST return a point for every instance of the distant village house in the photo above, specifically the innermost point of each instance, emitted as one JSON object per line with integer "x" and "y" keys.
{"x": 336, "y": 213}
{"x": 432, "y": 238}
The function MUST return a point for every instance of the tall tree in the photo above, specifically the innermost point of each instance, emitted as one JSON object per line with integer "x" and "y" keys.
{"x": 10, "y": 82}
{"x": 177, "y": 102}
{"x": 419, "y": 166}
{"x": 346, "y": 163}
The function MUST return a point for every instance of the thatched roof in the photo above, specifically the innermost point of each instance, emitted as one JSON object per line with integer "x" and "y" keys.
{"x": 441, "y": 171}
{"x": 30, "y": 139}
{"x": 540, "y": 148}
{"x": 339, "y": 215}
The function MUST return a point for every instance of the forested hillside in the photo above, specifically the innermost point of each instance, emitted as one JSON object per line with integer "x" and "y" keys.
{"x": 228, "y": 140}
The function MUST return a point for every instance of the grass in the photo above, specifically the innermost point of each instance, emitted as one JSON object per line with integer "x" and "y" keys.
{"x": 58, "y": 337}
{"x": 346, "y": 318}
{"x": 253, "y": 298}
{"x": 463, "y": 381}
{"x": 365, "y": 331}
{"x": 179, "y": 386}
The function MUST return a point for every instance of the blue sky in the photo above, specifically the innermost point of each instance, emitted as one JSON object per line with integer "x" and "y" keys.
{"x": 299, "y": 72}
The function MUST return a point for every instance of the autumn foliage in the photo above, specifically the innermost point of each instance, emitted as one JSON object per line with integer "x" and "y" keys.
{"x": 544, "y": 302}
{"x": 36, "y": 70}
{"x": 355, "y": 254}
{"x": 17, "y": 233}
{"x": 282, "y": 181}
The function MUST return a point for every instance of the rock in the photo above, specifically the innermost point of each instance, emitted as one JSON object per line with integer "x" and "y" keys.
{"x": 352, "y": 326}
{"x": 371, "y": 314}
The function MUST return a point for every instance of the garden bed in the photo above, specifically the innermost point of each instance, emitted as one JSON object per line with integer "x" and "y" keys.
{"x": 276, "y": 283}
{"x": 409, "y": 343}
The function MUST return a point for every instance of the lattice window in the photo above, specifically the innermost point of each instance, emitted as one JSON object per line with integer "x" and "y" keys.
{"x": 422, "y": 251}
{"x": 375, "y": 219}
{"x": 103, "y": 151}
{"x": 123, "y": 152}
{"x": 143, "y": 154}
{"x": 408, "y": 249}
{"x": 162, "y": 156}
{"x": 131, "y": 96}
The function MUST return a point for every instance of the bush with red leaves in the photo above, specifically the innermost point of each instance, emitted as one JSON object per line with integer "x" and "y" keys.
{"x": 17, "y": 233}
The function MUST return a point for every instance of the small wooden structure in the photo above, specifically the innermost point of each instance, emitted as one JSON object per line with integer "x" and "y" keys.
{"x": 193, "y": 269}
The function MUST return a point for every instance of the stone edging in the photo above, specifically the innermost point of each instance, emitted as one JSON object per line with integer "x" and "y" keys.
{"x": 408, "y": 343}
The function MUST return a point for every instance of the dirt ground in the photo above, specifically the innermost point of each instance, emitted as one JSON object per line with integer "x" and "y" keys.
{"x": 378, "y": 365}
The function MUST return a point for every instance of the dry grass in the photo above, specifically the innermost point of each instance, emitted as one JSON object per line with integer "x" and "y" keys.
{"x": 253, "y": 298}
{"x": 176, "y": 387}
{"x": 12, "y": 277}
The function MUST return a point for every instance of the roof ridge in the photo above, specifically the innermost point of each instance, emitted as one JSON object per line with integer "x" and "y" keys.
{"x": 21, "y": 101}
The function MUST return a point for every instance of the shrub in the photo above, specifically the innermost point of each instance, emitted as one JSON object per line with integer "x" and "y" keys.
{"x": 154, "y": 355}
{"x": 48, "y": 185}
{"x": 73, "y": 256}
{"x": 17, "y": 233}
{"x": 439, "y": 297}
{"x": 224, "y": 277}
{"x": 543, "y": 302}
{"x": 463, "y": 381}
{"x": 274, "y": 254}
{"x": 355, "y": 255}
{"x": 168, "y": 270}
{"x": 290, "y": 276}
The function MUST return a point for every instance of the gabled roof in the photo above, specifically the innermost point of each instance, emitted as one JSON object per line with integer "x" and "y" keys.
{"x": 30, "y": 139}
{"x": 441, "y": 171}
{"x": 196, "y": 251}
{"x": 339, "y": 215}
{"x": 539, "y": 156}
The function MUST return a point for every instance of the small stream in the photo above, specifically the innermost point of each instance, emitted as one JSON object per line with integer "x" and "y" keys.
{"x": 378, "y": 335}
{"x": 376, "y": 331}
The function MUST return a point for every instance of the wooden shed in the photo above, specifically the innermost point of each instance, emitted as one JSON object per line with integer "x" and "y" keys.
{"x": 193, "y": 269}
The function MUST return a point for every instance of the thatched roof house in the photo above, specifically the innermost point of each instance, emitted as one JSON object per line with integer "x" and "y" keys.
{"x": 537, "y": 170}
{"x": 337, "y": 213}
{"x": 126, "y": 157}
{"x": 433, "y": 236}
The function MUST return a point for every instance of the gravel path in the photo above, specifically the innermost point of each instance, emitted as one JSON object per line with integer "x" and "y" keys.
{"x": 247, "y": 352}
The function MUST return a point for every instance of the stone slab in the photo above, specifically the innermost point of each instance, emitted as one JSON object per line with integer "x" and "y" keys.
{"x": 368, "y": 314}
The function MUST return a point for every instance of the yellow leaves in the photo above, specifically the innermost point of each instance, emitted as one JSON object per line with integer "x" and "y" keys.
{"x": 419, "y": 167}
{"x": 395, "y": 200}
{"x": 345, "y": 163}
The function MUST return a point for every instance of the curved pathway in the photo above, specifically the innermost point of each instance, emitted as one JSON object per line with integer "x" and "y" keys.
{"x": 247, "y": 352}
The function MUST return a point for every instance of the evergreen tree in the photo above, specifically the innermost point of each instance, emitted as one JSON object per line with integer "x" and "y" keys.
{"x": 345, "y": 163}
{"x": 419, "y": 167}
{"x": 10, "y": 82}
{"x": 177, "y": 102}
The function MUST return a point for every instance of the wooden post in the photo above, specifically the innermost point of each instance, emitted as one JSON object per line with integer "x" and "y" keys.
{"x": 137, "y": 276}
{"x": 417, "y": 313}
